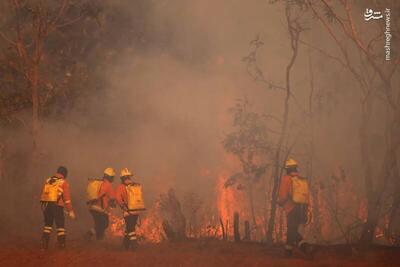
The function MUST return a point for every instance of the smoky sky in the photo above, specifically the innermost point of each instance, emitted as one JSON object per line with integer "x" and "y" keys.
{"x": 164, "y": 110}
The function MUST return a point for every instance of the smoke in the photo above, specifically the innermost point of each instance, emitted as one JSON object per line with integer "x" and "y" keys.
{"x": 165, "y": 112}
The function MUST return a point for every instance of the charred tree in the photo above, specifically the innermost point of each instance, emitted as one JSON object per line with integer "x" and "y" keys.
{"x": 326, "y": 13}
{"x": 174, "y": 222}
{"x": 247, "y": 235}
{"x": 395, "y": 205}
{"x": 169, "y": 231}
{"x": 224, "y": 230}
{"x": 311, "y": 151}
{"x": 236, "y": 225}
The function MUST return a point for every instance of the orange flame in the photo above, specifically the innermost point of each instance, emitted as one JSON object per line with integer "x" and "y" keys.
{"x": 117, "y": 225}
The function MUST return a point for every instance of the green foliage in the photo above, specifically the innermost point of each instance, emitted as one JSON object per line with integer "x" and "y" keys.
{"x": 26, "y": 25}
{"x": 249, "y": 135}
{"x": 248, "y": 141}
{"x": 77, "y": 49}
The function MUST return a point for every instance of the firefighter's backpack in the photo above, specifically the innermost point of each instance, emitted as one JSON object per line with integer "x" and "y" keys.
{"x": 300, "y": 190}
{"x": 93, "y": 188}
{"x": 134, "y": 197}
{"x": 51, "y": 190}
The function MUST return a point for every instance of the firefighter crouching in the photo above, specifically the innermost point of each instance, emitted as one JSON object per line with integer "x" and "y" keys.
{"x": 55, "y": 196}
{"x": 129, "y": 198}
{"x": 100, "y": 198}
{"x": 294, "y": 196}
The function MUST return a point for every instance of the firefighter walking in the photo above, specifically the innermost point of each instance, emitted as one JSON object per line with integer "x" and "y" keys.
{"x": 54, "y": 198}
{"x": 100, "y": 198}
{"x": 129, "y": 198}
{"x": 295, "y": 198}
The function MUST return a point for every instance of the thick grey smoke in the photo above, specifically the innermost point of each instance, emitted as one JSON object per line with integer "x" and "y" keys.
{"x": 165, "y": 111}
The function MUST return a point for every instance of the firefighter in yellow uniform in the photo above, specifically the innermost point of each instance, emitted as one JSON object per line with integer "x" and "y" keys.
{"x": 100, "y": 199}
{"x": 295, "y": 198}
{"x": 55, "y": 196}
{"x": 129, "y": 198}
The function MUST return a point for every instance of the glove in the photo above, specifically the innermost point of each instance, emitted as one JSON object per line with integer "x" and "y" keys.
{"x": 72, "y": 215}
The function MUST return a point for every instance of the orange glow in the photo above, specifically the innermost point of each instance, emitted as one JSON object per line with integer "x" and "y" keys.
{"x": 225, "y": 200}
{"x": 149, "y": 228}
{"x": 117, "y": 225}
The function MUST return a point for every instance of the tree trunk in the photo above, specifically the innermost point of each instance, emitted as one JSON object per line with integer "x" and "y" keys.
{"x": 367, "y": 232}
{"x": 35, "y": 104}
{"x": 374, "y": 193}
{"x": 395, "y": 203}
{"x": 224, "y": 237}
{"x": 393, "y": 214}
{"x": 1, "y": 162}
{"x": 247, "y": 235}
{"x": 34, "y": 77}
{"x": 251, "y": 200}
{"x": 316, "y": 211}
{"x": 310, "y": 173}
{"x": 369, "y": 226}
{"x": 236, "y": 232}
{"x": 374, "y": 200}
{"x": 32, "y": 168}
{"x": 294, "y": 33}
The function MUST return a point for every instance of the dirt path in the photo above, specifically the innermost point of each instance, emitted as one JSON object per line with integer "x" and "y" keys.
{"x": 193, "y": 253}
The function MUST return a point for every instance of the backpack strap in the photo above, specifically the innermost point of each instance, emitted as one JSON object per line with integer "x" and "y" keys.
{"x": 100, "y": 198}
{"x": 51, "y": 180}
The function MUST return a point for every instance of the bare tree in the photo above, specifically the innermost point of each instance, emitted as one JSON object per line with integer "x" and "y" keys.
{"x": 382, "y": 74}
{"x": 282, "y": 149}
{"x": 28, "y": 27}
{"x": 174, "y": 222}
{"x": 294, "y": 29}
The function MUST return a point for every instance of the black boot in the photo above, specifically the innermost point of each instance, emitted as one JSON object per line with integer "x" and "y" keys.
{"x": 132, "y": 240}
{"x": 306, "y": 249}
{"x": 100, "y": 235}
{"x": 89, "y": 235}
{"x": 126, "y": 242}
{"x": 133, "y": 244}
{"x": 61, "y": 241}
{"x": 288, "y": 251}
{"x": 45, "y": 240}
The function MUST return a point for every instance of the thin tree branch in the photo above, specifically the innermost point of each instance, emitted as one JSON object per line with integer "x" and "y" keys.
{"x": 355, "y": 37}
{"x": 323, "y": 52}
{"x": 70, "y": 22}
{"x": 8, "y": 40}
{"x": 60, "y": 12}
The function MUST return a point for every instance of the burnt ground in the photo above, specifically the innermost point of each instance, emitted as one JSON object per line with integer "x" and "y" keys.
{"x": 26, "y": 252}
